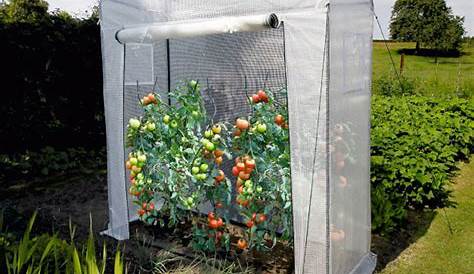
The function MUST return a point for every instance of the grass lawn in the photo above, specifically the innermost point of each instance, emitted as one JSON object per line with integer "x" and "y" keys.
{"x": 448, "y": 245}
{"x": 450, "y": 75}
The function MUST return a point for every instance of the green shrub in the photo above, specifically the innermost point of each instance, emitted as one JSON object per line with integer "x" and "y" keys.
{"x": 390, "y": 85}
{"x": 50, "y": 161}
{"x": 415, "y": 144}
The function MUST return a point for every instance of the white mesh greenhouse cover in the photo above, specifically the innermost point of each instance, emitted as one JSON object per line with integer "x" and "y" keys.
{"x": 322, "y": 52}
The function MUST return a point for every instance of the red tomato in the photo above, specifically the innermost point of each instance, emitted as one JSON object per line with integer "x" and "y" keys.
{"x": 244, "y": 176}
{"x": 279, "y": 120}
{"x": 254, "y": 216}
{"x": 249, "y": 223}
{"x": 213, "y": 224}
{"x": 144, "y": 205}
{"x": 255, "y": 99}
{"x": 220, "y": 177}
{"x": 237, "y": 132}
{"x": 219, "y": 205}
{"x": 151, "y": 206}
{"x": 240, "y": 189}
{"x": 242, "y": 124}
{"x": 141, "y": 212}
{"x": 151, "y": 98}
{"x": 218, "y": 161}
{"x": 262, "y": 95}
{"x": 242, "y": 244}
{"x": 240, "y": 166}
{"x": 211, "y": 216}
{"x": 220, "y": 223}
{"x": 250, "y": 163}
{"x": 262, "y": 218}
{"x": 235, "y": 171}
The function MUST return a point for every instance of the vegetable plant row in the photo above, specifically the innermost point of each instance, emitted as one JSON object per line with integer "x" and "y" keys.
{"x": 175, "y": 164}
{"x": 415, "y": 143}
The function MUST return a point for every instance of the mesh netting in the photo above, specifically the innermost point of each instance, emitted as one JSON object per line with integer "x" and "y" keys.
{"x": 229, "y": 67}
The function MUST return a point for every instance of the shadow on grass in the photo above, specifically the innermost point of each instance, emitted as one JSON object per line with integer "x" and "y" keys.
{"x": 389, "y": 247}
{"x": 432, "y": 52}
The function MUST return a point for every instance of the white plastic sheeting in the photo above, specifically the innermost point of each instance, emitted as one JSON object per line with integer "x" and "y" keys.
{"x": 322, "y": 52}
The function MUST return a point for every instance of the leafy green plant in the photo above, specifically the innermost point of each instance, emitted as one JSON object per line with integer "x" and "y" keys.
{"x": 263, "y": 171}
{"x": 175, "y": 159}
{"x": 50, "y": 254}
{"x": 415, "y": 144}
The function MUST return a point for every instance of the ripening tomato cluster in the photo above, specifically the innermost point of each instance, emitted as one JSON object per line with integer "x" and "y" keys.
{"x": 260, "y": 96}
{"x": 135, "y": 163}
{"x": 146, "y": 208}
{"x": 243, "y": 168}
{"x": 149, "y": 99}
{"x": 256, "y": 219}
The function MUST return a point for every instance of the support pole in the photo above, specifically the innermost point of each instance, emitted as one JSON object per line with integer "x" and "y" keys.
{"x": 155, "y": 32}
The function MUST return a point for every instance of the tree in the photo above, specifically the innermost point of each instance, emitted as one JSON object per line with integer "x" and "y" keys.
{"x": 427, "y": 22}
{"x": 25, "y": 11}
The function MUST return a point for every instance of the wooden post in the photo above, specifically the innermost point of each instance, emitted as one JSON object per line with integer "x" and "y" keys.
{"x": 402, "y": 63}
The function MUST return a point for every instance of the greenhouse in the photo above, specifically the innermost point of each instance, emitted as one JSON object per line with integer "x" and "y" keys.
{"x": 254, "y": 113}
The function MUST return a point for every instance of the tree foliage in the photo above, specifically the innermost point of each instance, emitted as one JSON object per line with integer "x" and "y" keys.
{"x": 430, "y": 23}
{"x": 51, "y": 78}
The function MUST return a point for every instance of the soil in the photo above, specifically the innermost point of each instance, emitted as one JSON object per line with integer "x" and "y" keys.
{"x": 78, "y": 198}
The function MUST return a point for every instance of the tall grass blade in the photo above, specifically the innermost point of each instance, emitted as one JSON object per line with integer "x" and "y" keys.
{"x": 76, "y": 262}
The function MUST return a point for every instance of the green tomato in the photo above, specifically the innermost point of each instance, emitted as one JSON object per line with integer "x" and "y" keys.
{"x": 151, "y": 126}
{"x": 208, "y": 134}
{"x": 210, "y": 146}
{"x": 249, "y": 190}
{"x": 195, "y": 114}
{"x": 202, "y": 176}
{"x": 133, "y": 161}
{"x": 248, "y": 183}
{"x": 204, "y": 167}
{"x": 141, "y": 158}
{"x": 140, "y": 176}
{"x": 195, "y": 170}
{"x": 166, "y": 119}
{"x": 262, "y": 128}
{"x": 204, "y": 141}
{"x": 134, "y": 123}
{"x": 149, "y": 181}
{"x": 216, "y": 138}
{"x": 193, "y": 84}
{"x": 174, "y": 124}
{"x": 259, "y": 189}
{"x": 190, "y": 200}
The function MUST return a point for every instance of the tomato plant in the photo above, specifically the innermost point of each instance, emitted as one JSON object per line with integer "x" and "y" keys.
{"x": 175, "y": 164}
{"x": 262, "y": 171}
{"x": 175, "y": 168}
